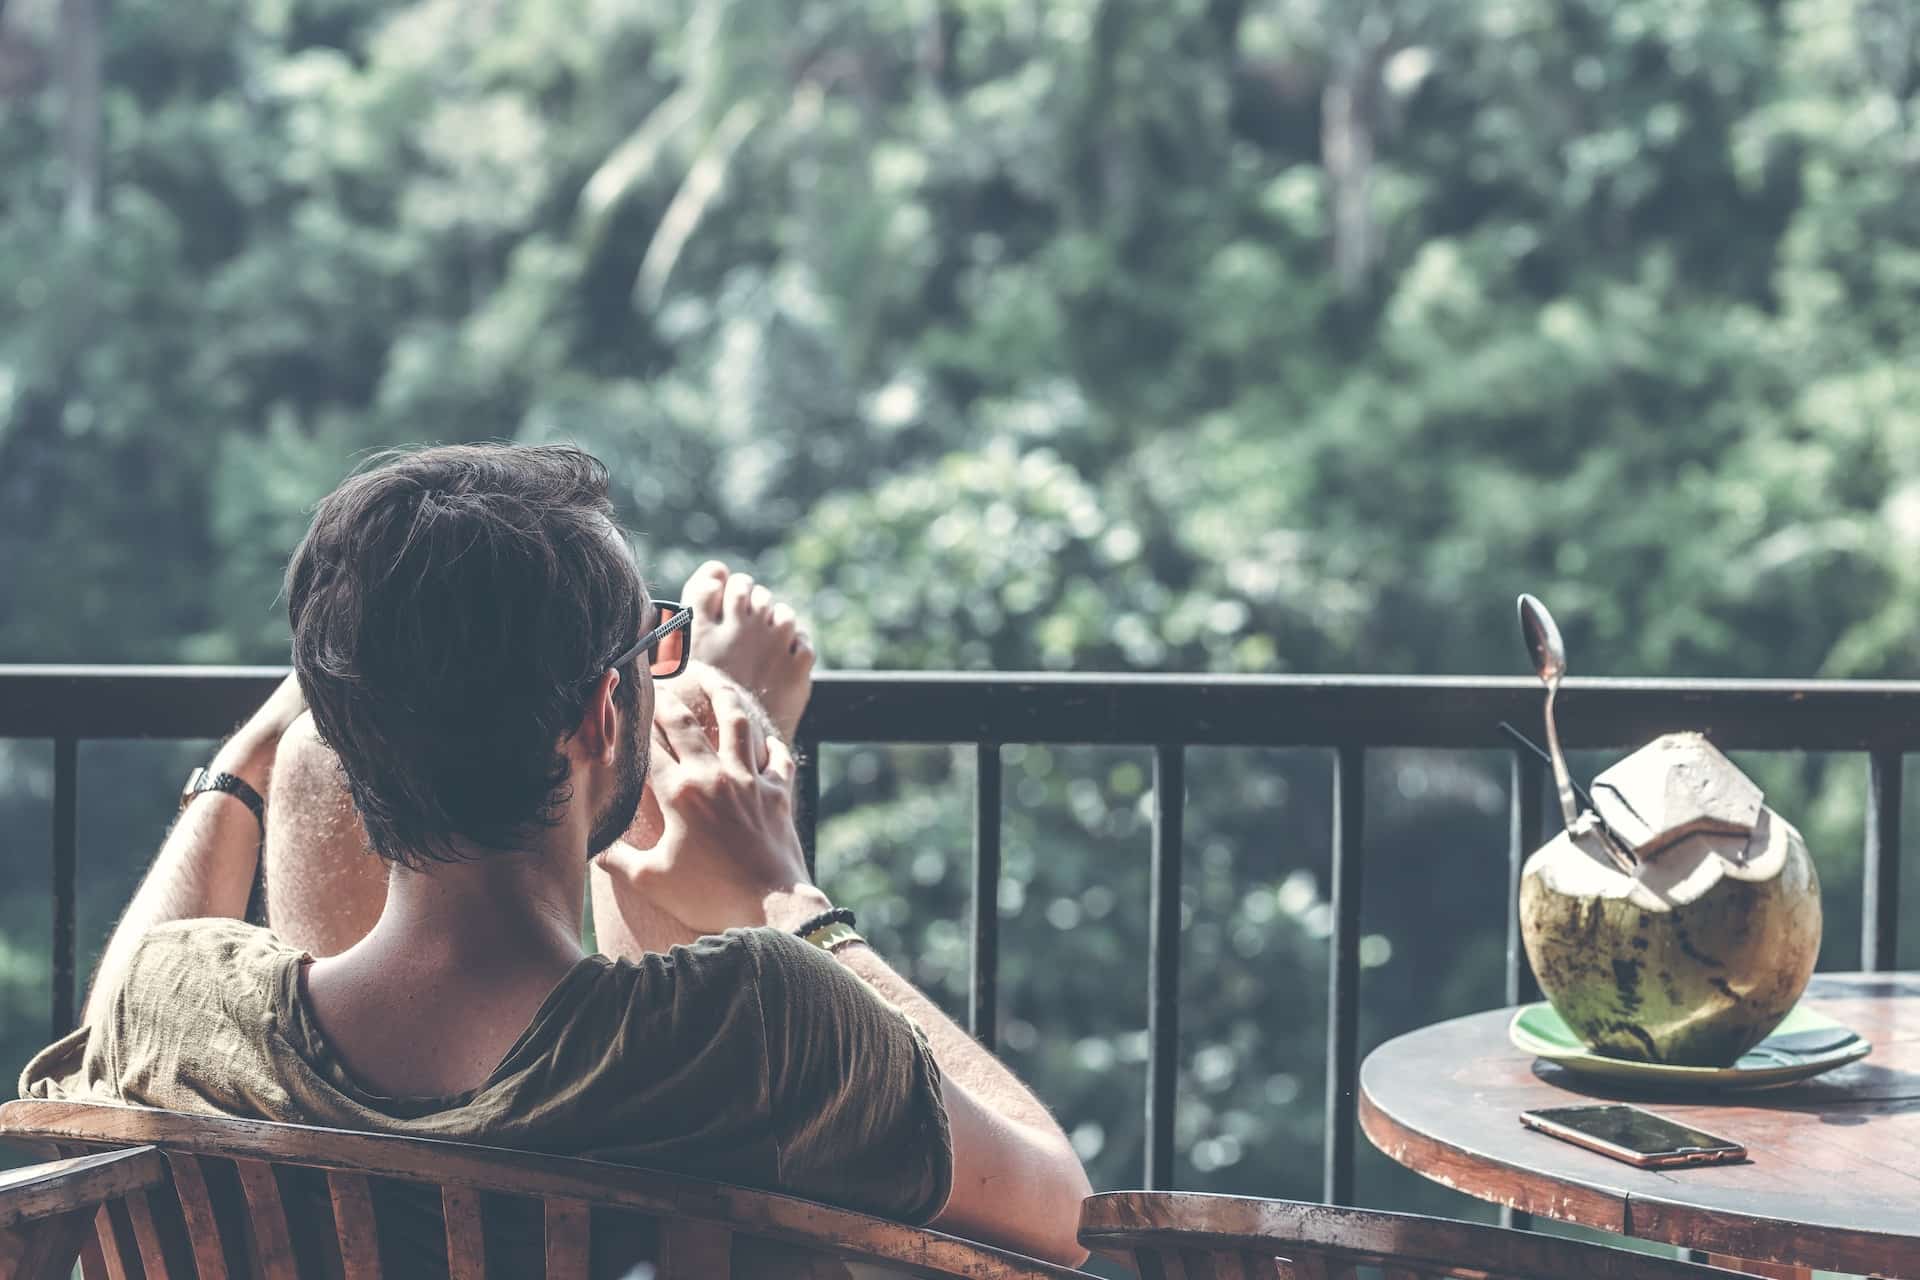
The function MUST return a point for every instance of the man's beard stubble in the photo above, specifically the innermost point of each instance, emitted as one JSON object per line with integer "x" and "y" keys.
{"x": 630, "y": 768}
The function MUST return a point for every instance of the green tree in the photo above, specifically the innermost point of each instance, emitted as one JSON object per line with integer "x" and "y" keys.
{"x": 1094, "y": 334}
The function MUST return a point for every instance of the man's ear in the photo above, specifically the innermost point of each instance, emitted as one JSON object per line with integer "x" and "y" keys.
{"x": 598, "y": 733}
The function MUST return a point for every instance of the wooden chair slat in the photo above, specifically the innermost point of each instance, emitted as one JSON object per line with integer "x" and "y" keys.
{"x": 765, "y": 1261}
{"x": 1262, "y": 1266}
{"x": 466, "y": 1234}
{"x": 1159, "y": 1264}
{"x": 355, "y": 1226}
{"x": 196, "y": 1208}
{"x": 569, "y": 1230}
{"x": 1246, "y": 1265}
{"x": 160, "y": 1232}
{"x": 692, "y": 1250}
{"x": 1774, "y": 1270}
{"x": 272, "y": 1240}
{"x": 45, "y": 1247}
{"x": 118, "y": 1251}
{"x": 154, "y": 1256}
{"x": 1198, "y": 1265}
{"x": 92, "y": 1265}
{"x": 51, "y": 1213}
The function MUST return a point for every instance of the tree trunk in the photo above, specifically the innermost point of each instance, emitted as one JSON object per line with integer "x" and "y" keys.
{"x": 80, "y": 112}
{"x": 1346, "y": 152}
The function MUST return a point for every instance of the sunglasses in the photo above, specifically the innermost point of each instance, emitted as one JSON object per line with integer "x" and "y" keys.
{"x": 668, "y": 646}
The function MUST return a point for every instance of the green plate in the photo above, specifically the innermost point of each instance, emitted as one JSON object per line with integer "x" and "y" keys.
{"x": 1822, "y": 1045}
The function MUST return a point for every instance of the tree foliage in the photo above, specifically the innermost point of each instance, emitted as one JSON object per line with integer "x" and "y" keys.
{"x": 1095, "y": 334}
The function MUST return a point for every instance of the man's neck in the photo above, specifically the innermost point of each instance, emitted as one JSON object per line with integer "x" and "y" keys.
{"x": 495, "y": 910}
{"x": 458, "y": 964}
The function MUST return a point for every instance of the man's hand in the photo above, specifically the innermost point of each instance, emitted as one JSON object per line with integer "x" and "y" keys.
{"x": 728, "y": 855}
{"x": 249, "y": 753}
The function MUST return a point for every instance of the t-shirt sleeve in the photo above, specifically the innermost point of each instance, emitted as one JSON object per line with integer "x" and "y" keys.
{"x": 184, "y": 1029}
{"x": 856, "y": 1096}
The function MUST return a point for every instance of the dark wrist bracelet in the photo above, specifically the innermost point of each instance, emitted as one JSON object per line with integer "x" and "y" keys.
{"x": 839, "y": 915}
{"x": 204, "y": 780}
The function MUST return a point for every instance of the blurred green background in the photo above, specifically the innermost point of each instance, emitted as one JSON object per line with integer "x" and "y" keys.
{"x": 1166, "y": 335}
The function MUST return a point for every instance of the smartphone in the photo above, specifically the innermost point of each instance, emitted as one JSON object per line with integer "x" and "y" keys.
{"x": 1640, "y": 1138}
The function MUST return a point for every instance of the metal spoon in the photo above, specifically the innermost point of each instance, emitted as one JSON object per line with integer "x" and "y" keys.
{"x": 1549, "y": 656}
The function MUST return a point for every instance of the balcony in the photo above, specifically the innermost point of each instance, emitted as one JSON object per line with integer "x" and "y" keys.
{"x": 1347, "y": 717}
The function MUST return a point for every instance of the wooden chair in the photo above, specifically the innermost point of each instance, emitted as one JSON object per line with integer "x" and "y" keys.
{"x": 1175, "y": 1236}
{"x": 234, "y": 1199}
{"x": 47, "y": 1211}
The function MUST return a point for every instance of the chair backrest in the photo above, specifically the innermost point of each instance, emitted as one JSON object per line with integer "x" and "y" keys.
{"x": 48, "y": 1211}
{"x": 240, "y": 1199}
{"x": 1178, "y": 1236}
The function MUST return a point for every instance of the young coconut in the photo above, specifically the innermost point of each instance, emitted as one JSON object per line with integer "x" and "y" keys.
{"x": 1693, "y": 950}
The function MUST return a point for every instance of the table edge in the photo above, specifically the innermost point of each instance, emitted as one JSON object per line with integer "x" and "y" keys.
{"x": 1491, "y": 1179}
{"x": 1626, "y": 1213}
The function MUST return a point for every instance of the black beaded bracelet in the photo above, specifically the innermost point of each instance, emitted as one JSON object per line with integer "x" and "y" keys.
{"x": 839, "y": 915}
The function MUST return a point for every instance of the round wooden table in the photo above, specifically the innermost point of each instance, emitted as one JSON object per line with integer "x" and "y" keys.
{"x": 1833, "y": 1177}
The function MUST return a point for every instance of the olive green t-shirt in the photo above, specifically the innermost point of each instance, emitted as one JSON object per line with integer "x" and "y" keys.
{"x": 752, "y": 1057}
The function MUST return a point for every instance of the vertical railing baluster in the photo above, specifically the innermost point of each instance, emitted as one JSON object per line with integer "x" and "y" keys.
{"x": 983, "y": 1002}
{"x": 1526, "y": 828}
{"x": 1526, "y": 813}
{"x": 1343, "y": 978}
{"x": 1343, "y": 975}
{"x": 1163, "y": 961}
{"x": 66, "y": 853}
{"x": 1880, "y": 872}
{"x": 806, "y": 799}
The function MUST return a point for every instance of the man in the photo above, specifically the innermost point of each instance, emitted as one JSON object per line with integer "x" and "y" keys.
{"x": 476, "y": 646}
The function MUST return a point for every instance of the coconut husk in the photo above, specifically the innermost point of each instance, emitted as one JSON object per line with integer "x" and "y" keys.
{"x": 1694, "y": 950}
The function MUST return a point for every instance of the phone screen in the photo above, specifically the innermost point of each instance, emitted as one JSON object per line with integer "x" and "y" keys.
{"x": 1638, "y": 1131}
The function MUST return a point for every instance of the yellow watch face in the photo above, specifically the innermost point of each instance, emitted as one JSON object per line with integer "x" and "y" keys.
{"x": 837, "y": 934}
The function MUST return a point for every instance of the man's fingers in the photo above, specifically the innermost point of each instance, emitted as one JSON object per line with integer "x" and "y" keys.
{"x": 737, "y": 744}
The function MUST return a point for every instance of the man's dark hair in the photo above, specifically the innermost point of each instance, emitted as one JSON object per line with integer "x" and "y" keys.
{"x": 451, "y": 610}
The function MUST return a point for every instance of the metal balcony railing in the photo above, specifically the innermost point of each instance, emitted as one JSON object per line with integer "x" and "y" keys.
{"x": 1348, "y": 715}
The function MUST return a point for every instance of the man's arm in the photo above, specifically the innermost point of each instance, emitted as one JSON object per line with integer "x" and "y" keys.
{"x": 1015, "y": 1175}
{"x": 205, "y": 866}
{"x": 729, "y": 856}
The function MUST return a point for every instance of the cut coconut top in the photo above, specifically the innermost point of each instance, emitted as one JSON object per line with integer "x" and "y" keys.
{"x": 1676, "y": 786}
{"x": 1575, "y": 863}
